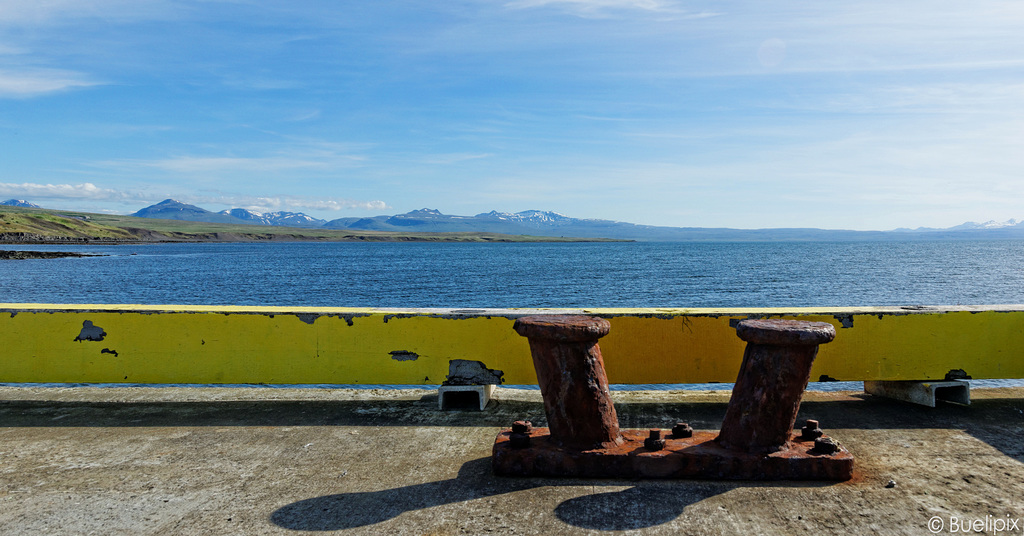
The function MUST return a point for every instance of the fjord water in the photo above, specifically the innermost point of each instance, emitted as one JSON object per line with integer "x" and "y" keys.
{"x": 485, "y": 275}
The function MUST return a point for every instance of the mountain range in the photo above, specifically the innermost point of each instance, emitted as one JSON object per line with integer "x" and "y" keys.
{"x": 553, "y": 224}
{"x": 169, "y": 209}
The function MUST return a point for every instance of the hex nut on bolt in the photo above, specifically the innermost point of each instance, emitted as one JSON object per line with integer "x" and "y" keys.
{"x": 522, "y": 427}
{"x": 825, "y": 445}
{"x": 654, "y": 442}
{"x": 519, "y": 441}
{"x": 811, "y": 430}
{"x": 520, "y": 436}
{"x": 681, "y": 430}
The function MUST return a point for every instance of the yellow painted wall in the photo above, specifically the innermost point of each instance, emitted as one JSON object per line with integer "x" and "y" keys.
{"x": 278, "y": 345}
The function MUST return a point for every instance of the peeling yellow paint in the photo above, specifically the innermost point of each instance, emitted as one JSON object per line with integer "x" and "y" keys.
{"x": 289, "y": 345}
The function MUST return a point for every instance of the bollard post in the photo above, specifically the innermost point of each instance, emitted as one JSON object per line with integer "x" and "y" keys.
{"x": 771, "y": 382}
{"x": 573, "y": 383}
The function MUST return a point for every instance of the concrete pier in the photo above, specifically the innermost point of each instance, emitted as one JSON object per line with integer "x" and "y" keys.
{"x": 155, "y": 460}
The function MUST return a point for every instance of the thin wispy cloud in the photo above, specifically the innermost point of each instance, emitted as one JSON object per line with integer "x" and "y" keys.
{"x": 305, "y": 116}
{"x": 443, "y": 159}
{"x": 593, "y": 6}
{"x": 31, "y": 82}
{"x": 47, "y": 12}
{"x": 198, "y": 165}
{"x": 648, "y": 10}
{"x": 942, "y": 98}
{"x": 192, "y": 164}
{"x": 9, "y": 50}
{"x": 85, "y": 190}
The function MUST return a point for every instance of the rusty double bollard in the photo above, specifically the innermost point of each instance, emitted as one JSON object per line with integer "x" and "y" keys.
{"x": 757, "y": 439}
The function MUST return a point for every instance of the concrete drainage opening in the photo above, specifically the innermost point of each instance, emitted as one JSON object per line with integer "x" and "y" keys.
{"x": 464, "y": 397}
{"x": 469, "y": 385}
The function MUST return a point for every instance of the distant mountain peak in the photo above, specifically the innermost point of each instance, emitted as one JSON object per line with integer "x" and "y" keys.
{"x": 248, "y": 216}
{"x": 424, "y": 212}
{"x": 991, "y": 224}
{"x": 167, "y": 202}
{"x": 19, "y": 203}
{"x": 242, "y": 211}
{"x": 543, "y": 214}
{"x": 170, "y": 206}
{"x": 293, "y": 219}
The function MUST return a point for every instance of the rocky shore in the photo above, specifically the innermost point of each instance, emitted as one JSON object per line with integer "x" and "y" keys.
{"x": 22, "y": 255}
{"x": 33, "y": 238}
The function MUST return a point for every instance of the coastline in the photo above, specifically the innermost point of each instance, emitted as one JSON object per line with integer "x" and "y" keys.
{"x": 23, "y": 226}
{"x": 15, "y": 255}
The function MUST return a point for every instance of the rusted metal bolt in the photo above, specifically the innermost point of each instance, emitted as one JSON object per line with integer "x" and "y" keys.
{"x": 810, "y": 430}
{"x": 520, "y": 436}
{"x": 518, "y": 440}
{"x": 522, "y": 427}
{"x": 682, "y": 429}
{"x": 825, "y": 445}
{"x": 654, "y": 442}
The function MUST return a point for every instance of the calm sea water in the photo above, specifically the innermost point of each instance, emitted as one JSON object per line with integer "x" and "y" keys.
{"x": 467, "y": 275}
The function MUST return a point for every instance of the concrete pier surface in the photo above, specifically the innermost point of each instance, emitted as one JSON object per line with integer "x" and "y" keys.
{"x": 162, "y": 460}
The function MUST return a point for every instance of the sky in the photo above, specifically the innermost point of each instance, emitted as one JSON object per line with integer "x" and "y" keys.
{"x": 838, "y": 115}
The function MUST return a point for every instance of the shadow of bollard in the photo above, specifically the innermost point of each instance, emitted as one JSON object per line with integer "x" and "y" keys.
{"x": 361, "y": 509}
{"x": 645, "y": 505}
{"x": 640, "y": 507}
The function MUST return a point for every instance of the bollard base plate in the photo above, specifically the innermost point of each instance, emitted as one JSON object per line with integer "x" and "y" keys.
{"x": 693, "y": 457}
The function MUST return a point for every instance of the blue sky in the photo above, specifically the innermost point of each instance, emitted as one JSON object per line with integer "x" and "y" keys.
{"x": 852, "y": 115}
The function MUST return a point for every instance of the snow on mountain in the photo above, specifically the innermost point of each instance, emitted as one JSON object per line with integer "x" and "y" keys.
{"x": 991, "y": 224}
{"x": 282, "y": 218}
{"x": 19, "y": 203}
{"x": 527, "y": 216}
{"x": 423, "y": 212}
{"x": 249, "y": 216}
{"x": 294, "y": 219}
